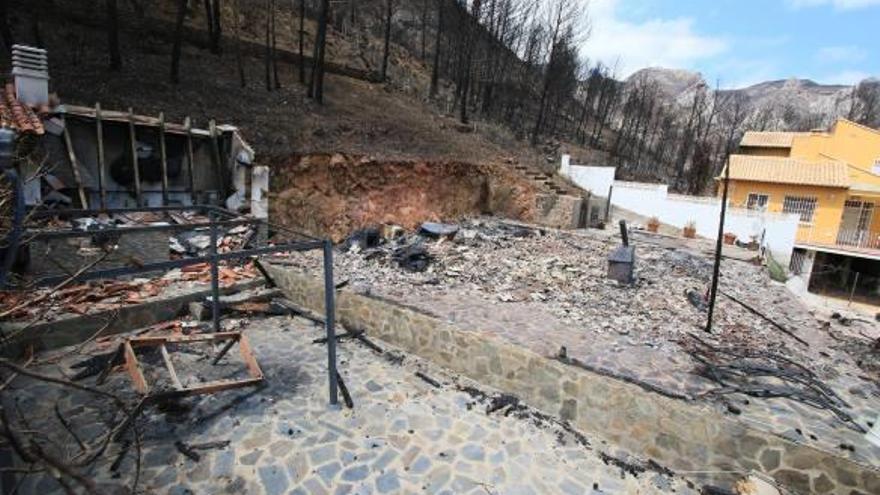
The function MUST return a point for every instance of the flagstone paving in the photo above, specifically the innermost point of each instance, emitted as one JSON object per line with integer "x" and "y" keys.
{"x": 403, "y": 435}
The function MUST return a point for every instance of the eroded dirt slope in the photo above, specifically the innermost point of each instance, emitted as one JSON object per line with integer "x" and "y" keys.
{"x": 336, "y": 194}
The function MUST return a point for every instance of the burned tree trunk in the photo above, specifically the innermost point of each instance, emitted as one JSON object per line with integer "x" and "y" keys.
{"x": 424, "y": 28}
{"x": 435, "y": 70}
{"x": 35, "y": 26}
{"x": 548, "y": 77}
{"x": 5, "y": 31}
{"x": 389, "y": 12}
{"x": 316, "y": 83}
{"x": 209, "y": 22}
{"x": 216, "y": 30}
{"x": 471, "y": 30}
{"x": 302, "y": 34}
{"x": 238, "y": 58}
{"x": 268, "y": 55}
{"x": 545, "y": 89}
{"x": 112, "y": 35}
{"x": 209, "y": 25}
{"x": 274, "y": 56}
{"x": 178, "y": 34}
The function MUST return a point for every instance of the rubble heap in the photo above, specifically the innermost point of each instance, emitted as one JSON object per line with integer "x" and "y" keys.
{"x": 565, "y": 273}
{"x": 108, "y": 235}
{"x": 548, "y": 290}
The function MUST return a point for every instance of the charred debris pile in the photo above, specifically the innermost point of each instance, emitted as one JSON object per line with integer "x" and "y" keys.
{"x": 58, "y": 246}
{"x": 764, "y": 345}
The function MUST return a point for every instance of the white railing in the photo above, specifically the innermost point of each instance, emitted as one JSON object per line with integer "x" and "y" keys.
{"x": 857, "y": 239}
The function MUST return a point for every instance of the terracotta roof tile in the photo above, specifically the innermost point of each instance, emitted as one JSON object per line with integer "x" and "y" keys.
{"x": 770, "y": 139}
{"x": 789, "y": 171}
{"x": 15, "y": 115}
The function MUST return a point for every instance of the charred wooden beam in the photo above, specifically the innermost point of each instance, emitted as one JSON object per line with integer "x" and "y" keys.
{"x": 427, "y": 379}
{"x": 99, "y": 136}
{"x": 74, "y": 164}
{"x": 163, "y": 157}
{"x": 187, "y": 124}
{"x": 132, "y": 137}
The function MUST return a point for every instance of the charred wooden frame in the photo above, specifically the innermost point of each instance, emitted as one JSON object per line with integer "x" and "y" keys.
{"x": 217, "y": 138}
{"x": 140, "y": 384}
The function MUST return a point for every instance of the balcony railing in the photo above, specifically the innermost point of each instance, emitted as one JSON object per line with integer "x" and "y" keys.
{"x": 857, "y": 240}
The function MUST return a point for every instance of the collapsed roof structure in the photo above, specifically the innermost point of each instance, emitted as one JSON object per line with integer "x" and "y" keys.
{"x": 95, "y": 194}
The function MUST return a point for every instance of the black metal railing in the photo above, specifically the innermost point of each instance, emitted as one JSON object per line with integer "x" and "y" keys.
{"x": 289, "y": 241}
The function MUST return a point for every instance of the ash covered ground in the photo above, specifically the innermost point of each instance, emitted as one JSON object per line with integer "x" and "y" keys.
{"x": 547, "y": 290}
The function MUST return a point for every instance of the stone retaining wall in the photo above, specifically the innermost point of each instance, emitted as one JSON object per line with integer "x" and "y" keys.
{"x": 678, "y": 435}
{"x": 558, "y": 211}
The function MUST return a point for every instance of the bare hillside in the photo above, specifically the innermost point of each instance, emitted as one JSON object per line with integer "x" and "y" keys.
{"x": 384, "y": 120}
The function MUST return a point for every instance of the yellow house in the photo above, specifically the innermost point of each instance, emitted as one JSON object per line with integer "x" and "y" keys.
{"x": 831, "y": 179}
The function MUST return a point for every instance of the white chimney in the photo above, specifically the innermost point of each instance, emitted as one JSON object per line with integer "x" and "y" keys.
{"x": 30, "y": 71}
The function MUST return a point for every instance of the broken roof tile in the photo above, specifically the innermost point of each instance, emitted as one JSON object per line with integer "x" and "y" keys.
{"x": 16, "y": 115}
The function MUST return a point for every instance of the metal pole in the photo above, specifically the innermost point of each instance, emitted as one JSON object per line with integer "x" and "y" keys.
{"x": 215, "y": 159}
{"x": 215, "y": 275}
{"x": 330, "y": 319}
{"x": 719, "y": 243}
{"x": 853, "y": 291}
{"x": 588, "y": 209}
{"x": 608, "y": 204}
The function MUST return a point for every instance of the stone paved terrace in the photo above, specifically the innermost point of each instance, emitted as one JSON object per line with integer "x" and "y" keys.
{"x": 547, "y": 291}
{"x": 403, "y": 435}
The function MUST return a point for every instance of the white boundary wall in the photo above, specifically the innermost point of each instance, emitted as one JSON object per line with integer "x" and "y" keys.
{"x": 779, "y": 230}
{"x": 594, "y": 179}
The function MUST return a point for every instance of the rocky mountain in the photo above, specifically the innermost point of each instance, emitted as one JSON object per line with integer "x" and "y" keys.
{"x": 802, "y": 94}
{"x": 791, "y": 101}
{"x": 674, "y": 83}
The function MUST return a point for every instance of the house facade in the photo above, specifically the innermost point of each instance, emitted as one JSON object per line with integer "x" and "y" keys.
{"x": 831, "y": 180}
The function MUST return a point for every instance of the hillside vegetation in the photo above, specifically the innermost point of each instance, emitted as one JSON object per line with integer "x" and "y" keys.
{"x": 478, "y": 81}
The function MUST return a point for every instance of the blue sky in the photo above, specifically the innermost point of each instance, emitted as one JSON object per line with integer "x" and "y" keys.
{"x": 740, "y": 42}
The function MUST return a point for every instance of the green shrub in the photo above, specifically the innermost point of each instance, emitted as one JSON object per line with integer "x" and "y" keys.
{"x": 777, "y": 271}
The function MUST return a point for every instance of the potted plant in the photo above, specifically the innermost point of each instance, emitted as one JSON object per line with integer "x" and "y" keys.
{"x": 653, "y": 224}
{"x": 690, "y": 230}
{"x": 729, "y": 238}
